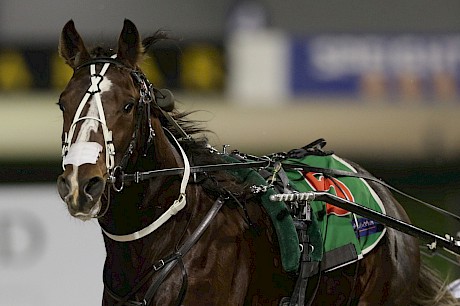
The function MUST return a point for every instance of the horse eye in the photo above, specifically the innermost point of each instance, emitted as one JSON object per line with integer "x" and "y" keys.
{"x": 128, "y": 107}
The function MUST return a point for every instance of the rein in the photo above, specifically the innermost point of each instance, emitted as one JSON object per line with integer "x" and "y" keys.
{"x": 140, "y": 176}
{"x": 117, "y": 177}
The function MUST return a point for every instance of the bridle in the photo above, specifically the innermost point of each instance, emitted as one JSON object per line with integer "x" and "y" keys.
{"x": 87, "y": 152}
{"x": 78, "y": 153}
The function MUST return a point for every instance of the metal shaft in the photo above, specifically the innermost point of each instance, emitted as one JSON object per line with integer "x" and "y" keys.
{"x": 449, "y": 244}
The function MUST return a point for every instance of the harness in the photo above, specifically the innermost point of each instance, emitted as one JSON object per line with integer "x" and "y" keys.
{"x": 161, "y": 269}
{"x": 78, "y": 153}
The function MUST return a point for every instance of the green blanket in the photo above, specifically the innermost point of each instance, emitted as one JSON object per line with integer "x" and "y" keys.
{"x": 339, "y": 227}
{"x": 331, "y": 227}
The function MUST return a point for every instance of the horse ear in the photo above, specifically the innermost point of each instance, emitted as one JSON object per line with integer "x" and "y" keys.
{"x": 130, "y": 49}
{"x": 71, "y": 46}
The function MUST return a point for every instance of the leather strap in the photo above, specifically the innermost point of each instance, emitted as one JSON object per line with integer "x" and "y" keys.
{"x": 93, "y": 91}
{"x": 178, "y": 204}
{"x": 185, "y": 247}
{"x": 101, "y": 60}
{"x": 165, "y": 266}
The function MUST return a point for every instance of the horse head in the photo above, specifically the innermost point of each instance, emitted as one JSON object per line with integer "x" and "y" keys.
{"x": 102, "y": 106}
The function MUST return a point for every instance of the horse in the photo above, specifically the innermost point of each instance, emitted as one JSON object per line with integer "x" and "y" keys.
{"x": 204, "y": 239}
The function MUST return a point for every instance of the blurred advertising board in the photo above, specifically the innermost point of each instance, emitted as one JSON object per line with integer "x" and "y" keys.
{"x": 407, "y": 66}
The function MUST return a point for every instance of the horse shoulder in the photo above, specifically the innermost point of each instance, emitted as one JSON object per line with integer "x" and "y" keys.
{"x": 218, "y": 265}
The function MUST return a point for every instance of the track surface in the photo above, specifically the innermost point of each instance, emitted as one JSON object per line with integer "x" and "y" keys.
{"x": 46, "y": 256}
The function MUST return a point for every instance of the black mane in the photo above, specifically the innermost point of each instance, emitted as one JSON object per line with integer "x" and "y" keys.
{"x": 147, "y": 43}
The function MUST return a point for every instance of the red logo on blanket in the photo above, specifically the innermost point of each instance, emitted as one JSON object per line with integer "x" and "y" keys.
{"x": 318, "y": 182}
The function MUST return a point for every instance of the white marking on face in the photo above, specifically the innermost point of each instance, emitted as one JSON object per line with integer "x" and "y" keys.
{"x": 89, "y": 125}
{"x": 73, "y": 181}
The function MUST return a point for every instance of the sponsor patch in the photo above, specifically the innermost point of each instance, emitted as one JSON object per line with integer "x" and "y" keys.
{"x": 364, "y": 227}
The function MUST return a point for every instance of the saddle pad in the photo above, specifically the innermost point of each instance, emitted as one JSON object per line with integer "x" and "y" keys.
{"x": 339, "y": 227}
{"x": 284, "y": 227}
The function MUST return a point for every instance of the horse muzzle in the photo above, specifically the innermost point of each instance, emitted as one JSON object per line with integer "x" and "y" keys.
{"x": 83, "y": 197}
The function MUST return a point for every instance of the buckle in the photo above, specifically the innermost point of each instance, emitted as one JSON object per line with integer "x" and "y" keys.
{"x": 159, "y": 265}
{"x": 138, "y": 177}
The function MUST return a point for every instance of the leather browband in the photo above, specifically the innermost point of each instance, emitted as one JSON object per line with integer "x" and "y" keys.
{"x": 101, "y": 60}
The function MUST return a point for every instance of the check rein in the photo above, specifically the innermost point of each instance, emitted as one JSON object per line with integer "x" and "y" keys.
{"x": 163, "y": 100}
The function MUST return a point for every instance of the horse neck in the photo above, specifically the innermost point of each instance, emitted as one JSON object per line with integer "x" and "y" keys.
{"x": 135, "y": 205}
{"x": 142, "y": 204}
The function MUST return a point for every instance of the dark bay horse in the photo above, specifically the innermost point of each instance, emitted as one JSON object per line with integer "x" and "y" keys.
{"x": 208, "y": 231}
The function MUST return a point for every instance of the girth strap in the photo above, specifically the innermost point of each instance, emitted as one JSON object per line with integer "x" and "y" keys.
{"x": 307, "y": 269}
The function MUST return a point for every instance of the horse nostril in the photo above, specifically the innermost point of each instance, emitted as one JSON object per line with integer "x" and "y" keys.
{"x": 63, "y": 186}
{"x": 94, "y": 188}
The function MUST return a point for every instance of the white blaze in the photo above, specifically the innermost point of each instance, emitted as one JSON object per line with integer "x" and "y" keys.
{"x": 89, "y": 125}
{"x": 83, "y": 151}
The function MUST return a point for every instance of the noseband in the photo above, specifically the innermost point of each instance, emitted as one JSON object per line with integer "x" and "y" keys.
{"x": 82, "y": 152}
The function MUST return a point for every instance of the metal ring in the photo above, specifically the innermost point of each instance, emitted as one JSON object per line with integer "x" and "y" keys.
{"x": 116, "y": 178}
